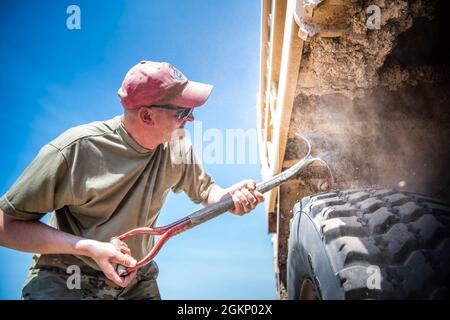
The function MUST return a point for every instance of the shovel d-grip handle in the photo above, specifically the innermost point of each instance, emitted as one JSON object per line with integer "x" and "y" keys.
{"x": 204, "y": 214}
{"x": 165, "y": 232}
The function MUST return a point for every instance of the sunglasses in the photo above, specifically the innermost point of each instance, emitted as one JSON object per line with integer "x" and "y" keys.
{"x": 180, "y": 114}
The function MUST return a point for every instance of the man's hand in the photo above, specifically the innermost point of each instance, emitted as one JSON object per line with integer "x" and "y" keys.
{"x": 35, "y": 236}
{"x": 107, "y": 258}
{"x": 245, "y": 196}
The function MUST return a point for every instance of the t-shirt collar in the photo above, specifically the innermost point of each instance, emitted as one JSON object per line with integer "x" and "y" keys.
{"x": 130, "y": 140}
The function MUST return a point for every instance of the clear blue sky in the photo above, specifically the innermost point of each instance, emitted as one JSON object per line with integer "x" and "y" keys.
{"x": 53, "y": 78}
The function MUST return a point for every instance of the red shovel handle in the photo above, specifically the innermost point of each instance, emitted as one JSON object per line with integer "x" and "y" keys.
{"x": 165, "y": 232}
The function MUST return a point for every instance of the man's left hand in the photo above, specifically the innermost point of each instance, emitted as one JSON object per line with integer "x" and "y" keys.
{"x": 245, "y": 197}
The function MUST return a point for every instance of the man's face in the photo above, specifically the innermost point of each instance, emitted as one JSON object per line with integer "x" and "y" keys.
{"x": 169, "y": 127}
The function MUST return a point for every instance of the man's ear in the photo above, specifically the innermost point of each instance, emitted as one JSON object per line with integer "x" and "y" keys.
{"x": 145, "y": 115}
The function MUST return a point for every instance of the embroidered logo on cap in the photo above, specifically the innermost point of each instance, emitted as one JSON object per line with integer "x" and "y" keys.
{"x": 177, "y": 75}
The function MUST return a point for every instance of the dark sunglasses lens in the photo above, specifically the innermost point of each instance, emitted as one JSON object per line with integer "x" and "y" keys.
{"x": 185, "y": 113}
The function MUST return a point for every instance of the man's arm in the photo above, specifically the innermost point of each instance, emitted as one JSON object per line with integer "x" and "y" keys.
{"x": 35, "y": 236}
{"x": 244, "y": 194}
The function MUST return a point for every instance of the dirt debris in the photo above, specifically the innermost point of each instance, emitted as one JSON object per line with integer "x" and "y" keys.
{"x": 374, "y": 103}
{"x": 349, "y": 64}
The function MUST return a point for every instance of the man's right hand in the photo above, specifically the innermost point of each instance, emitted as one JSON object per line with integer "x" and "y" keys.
{"x": 38, "y": 237}
{"x": 108, "y": 257}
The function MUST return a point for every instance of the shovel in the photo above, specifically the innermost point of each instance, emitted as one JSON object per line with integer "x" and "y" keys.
{"x": 204, "y": 214}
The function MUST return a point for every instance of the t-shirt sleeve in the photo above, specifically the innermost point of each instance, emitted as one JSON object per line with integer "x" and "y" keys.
{"x": 194, "y": 181}
{"x": 43, "y": 187}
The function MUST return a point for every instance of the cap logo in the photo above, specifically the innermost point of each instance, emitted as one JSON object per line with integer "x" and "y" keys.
{"x": 175, "y": 74}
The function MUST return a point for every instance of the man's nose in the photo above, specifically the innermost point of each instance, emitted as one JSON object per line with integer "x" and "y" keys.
{"x": 190, "y": 118}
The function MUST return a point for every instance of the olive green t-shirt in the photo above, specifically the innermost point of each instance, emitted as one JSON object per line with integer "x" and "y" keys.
{"x": 101, "y": 183}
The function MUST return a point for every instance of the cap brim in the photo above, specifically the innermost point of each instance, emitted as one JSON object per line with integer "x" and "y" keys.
{"x": 193, "y": 95}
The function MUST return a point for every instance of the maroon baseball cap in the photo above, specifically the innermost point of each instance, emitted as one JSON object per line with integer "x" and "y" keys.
{"x": 160, "y": 83}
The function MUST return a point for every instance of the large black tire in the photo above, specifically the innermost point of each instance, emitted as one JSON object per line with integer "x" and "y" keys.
{"x": 369, "y": 244}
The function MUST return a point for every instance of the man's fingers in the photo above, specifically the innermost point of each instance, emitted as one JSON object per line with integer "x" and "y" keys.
{"x": 128, "y": 278}
{"x": 242, "y": 184}
{"x": 124, "y": 259}
{"x": 125, "y": 250}
{"x": 111, "y": 274}
{"x": 241, "y": 203}
{"x": 245, "y": 197}
{"x": 249, "y": 196}
{"x": 243, "y": 200}
{"x": 251, "y": 185}
{"x": 238, "y": 207}
{"x": 259, "y": 196}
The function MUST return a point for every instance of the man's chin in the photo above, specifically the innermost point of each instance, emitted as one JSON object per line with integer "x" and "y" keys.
{"x": 178, "y": 134}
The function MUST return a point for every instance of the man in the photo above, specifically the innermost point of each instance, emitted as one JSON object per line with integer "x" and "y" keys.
{"x": 105, "y": 178}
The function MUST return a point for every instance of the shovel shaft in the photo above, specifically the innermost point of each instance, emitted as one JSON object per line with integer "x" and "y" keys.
{"x": 222, "y": 206}
{"x": 206, "y": 214}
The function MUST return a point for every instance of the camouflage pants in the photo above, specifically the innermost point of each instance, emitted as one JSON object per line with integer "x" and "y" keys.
{"x": 48, "y": 280}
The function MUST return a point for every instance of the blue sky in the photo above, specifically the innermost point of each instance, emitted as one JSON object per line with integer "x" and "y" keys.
{"x": 54, "y": 78}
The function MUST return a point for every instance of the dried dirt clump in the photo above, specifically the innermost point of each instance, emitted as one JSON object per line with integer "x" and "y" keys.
{"x": 349, "y": 64}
